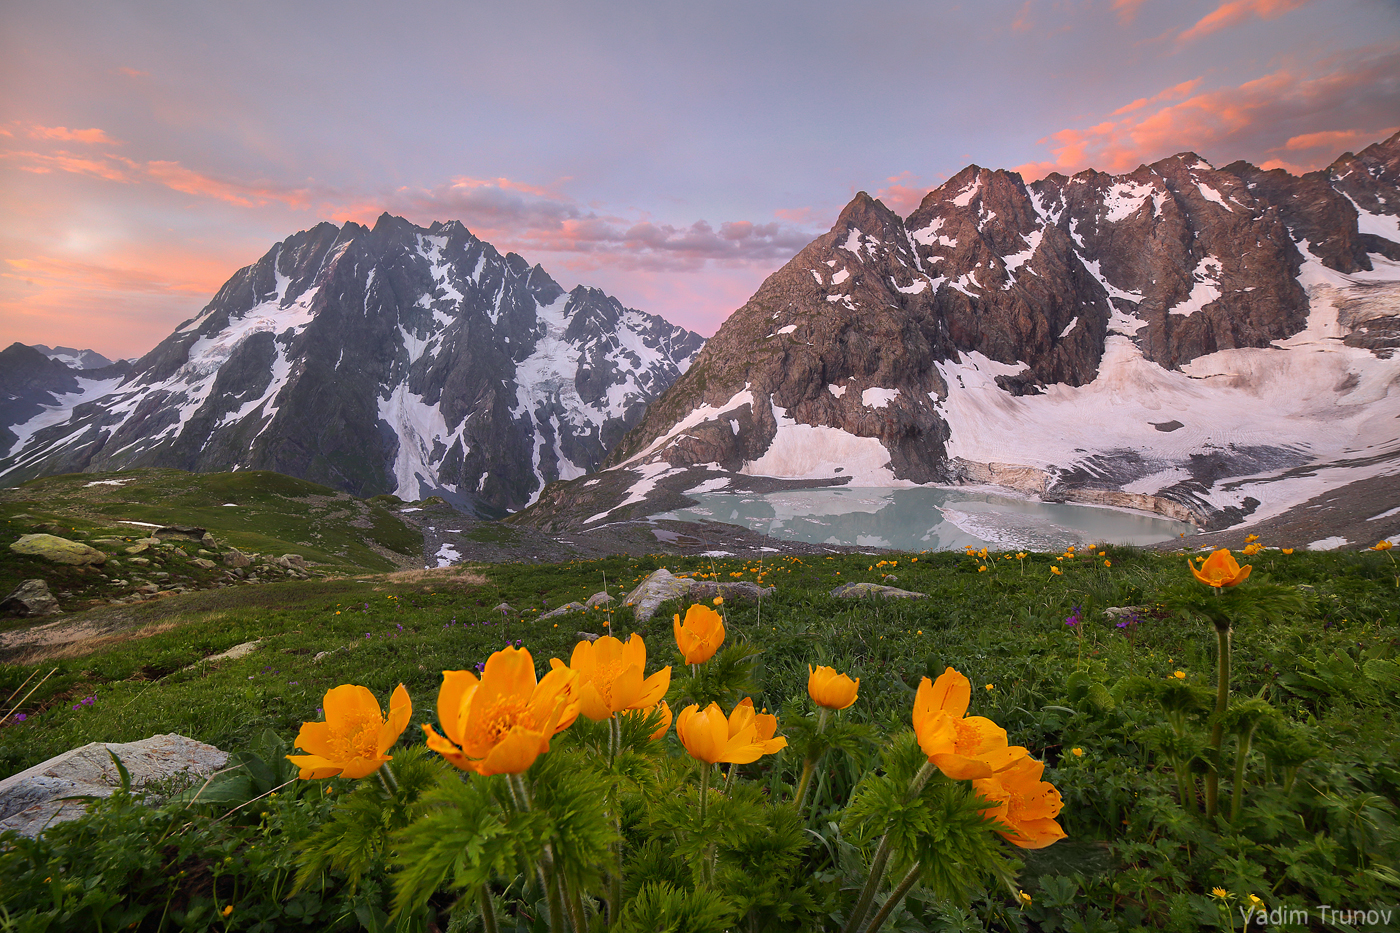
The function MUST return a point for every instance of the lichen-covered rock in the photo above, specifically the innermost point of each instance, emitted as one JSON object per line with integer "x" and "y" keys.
{"x": 30, "y": 598}
{"x": 59, "y": 550}
{"x": 859, "y": 590}
{"x": 598, "y": 599}
{"x": 659, "y": 586}
{"x": 564, "y": 610}
{"x": 31, "y": 800}
{"x": 233, "y": 557}
{"x": 739, "y": 591}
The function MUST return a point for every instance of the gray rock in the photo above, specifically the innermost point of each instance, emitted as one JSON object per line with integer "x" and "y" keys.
{"x": 504, "y": 609}
{"x": 203, "y": 563}
{"x": 233, "y": 557}
{"x": 59, "y": 550}
{"x": 564, "y": 610}
{"x": 858, "y": 590}
{"x": 295, "y": 561}
{"x": 30, "y": 598}
{"x": 659, "y": 586}
{"x": 598, "y": 599}
{"x": 738, "y": 591}
{"x": 29, "y": 800}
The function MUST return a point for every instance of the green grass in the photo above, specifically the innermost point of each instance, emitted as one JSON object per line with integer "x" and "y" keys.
{"x": 1133, "y": 852}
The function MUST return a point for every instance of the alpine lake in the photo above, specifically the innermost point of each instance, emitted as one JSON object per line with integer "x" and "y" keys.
{"x": 928, "y": 518}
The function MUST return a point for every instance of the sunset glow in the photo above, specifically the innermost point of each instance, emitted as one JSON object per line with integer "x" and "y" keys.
{"x": 673, "y": 157}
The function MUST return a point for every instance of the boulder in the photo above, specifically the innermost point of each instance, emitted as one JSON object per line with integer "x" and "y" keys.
{"x": 204, "y": 563}
{"x": 30, "y": 598}
{"x": 59, "y": 550}
{"x": 739, "y": 591}
{"x": 564, "y": 610}
{"x": 659, "y": 586}
{"x": 179, "y": 533}
{"x": 858, "y": 590}
{"x": 294, "y": 561}
{"x": 598, "y": 599}
{"x": 30, "y": 800}
{"x": 233, "y": 557}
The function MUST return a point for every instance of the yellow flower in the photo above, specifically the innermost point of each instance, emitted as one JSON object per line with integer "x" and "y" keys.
{"x": 990, "y": 687}
{"x": 227, "y": 910}
{"x": 707, "y": 736}
{"x": 830, "y": 689}
{"x": 1020, "y": 555}
{"x": 355, "y": 735}
{"x": 1219, "y": 893}
{"x": 982, "y": 568}
{"x": 665, "y": 711}
{"x": 1220, "y": 569}
{"x": 1179, "y": 675}
{"x": 501, "y": 723}
{"x": 1286, "y": 550}
{"x": 961, "y": 746}
{"x": 1108, "y": 563}
{"x": 765, "y": 725}
{"x": 1251, "y": 549}
{"x": 719, "y": 600}
{"x": 700, "y": 635}
{"x": 1024, "y": 897}
{"x": 1382, "y": 546}
{"x": 1255, "y": 901}
{"x": 610, "y": 676}
{"x": 1022, "y": 803}
{"x": 1077, "y": 752}
{"x": 1250, "y": 538}
{"x": 1056, "y": 571}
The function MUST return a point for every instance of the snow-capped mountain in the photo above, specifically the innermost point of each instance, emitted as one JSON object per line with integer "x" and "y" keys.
{"x": 1212, "y": 344}
{"x": 74, "y": 359}
{"x": 394, "y": 359}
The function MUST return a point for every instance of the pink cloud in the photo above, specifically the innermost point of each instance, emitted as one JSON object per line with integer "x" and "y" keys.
{"x": 1022, "y": 22}
{"x": 1337, "y": 140}
{"x": 65, "y": 134}
{"x": 62, "y": 161}
{"x": 903, "y": 193}
{"x": 133, "y": 73}
{"x": 1255, "y": 117}
{"x": 1234, "y": 12}
{"x": 1176, "y": 90}
{"x": 1127, "y": 9}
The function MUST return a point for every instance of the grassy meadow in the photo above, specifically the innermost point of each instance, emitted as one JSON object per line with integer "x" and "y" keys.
{"x": 1117, "y": 705}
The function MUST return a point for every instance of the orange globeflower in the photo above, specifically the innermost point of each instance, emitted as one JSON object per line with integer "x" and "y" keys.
{"x": 765, "y": 725}
{"x": 1220, "y": 569}
{"x": 707, "y": 737}
{"x": 1023, "y": 803}
{"x": 961, "y": 746}
{"x": 1382, "y": 545}
{"x": 353, "y": 739}
{"x": 610, "y": 676}
{"x": 700, "y": 635}
{"x": 501, "y": 723}
{"x": 830, "y": 689}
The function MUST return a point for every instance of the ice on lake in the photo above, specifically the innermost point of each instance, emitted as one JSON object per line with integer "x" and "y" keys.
{"x": 927, "y": 518}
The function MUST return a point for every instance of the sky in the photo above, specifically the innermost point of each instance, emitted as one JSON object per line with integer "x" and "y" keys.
{"x": 672, "y": 154}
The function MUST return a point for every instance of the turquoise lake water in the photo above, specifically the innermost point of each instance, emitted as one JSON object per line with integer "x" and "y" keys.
{"x": 932, "y": 518}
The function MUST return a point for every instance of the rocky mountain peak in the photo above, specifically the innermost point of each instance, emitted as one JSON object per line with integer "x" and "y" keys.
{"x": 395, "y": 358}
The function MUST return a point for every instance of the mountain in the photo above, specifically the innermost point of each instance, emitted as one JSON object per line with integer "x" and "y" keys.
{"x": 398, "y": 359}
{"x": 1214, "y": 344}
{"x": 75, "y": 359}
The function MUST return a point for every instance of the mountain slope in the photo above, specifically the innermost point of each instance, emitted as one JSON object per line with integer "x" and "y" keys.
{"x": 394, "y": 359}
{"x": 1206, "y": 343}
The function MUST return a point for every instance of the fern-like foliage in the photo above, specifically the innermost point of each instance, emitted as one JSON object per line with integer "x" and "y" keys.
{"x": 357, "y": 835}
{"x": 660, "y": 907}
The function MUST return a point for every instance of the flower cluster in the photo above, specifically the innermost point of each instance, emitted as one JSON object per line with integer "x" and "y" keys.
{"x": 975, "y": 748}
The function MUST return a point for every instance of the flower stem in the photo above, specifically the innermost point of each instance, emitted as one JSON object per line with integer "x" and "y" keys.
{"x": 386, "y": 777}
{"x": 1222, "y": 702}
{"x": 893, "y": 900}
{"x": 548, "y": 877}
{"x": 706, "y": 872}
{"x": 1242, "y": 743}
{"x": 882, "y": 855}
{"x": 808, "y": 765}
{"x": 488, "y": 909}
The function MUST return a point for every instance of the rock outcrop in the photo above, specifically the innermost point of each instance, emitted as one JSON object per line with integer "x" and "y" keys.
{"x": 59, "y": 550}
{"x": 32, "y": 799}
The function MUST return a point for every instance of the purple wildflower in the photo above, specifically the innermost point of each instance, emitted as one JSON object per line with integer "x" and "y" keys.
{"x": 20, "y": 717}
{"x": 1074, "y": 618}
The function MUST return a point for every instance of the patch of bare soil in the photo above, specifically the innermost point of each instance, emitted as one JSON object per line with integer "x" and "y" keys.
{"x": 70, "y": 639}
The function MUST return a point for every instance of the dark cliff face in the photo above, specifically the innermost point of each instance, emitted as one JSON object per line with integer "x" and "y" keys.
{"x": 1179, "y": 258}
{"x": 393, "y": 359}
